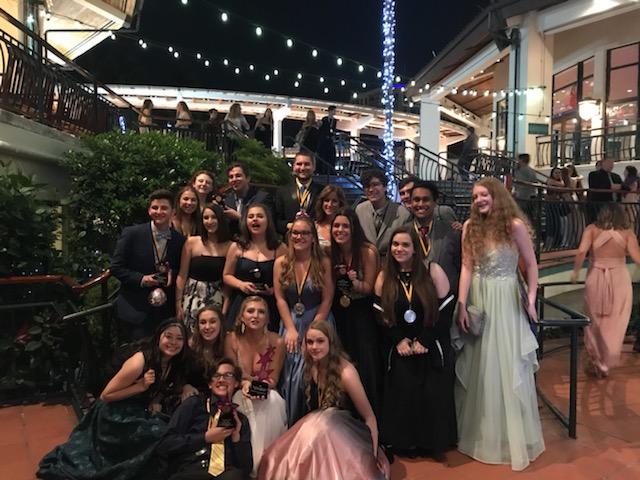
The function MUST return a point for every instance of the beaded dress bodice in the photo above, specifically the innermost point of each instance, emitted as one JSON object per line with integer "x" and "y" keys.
{"x": 500, "y": 262}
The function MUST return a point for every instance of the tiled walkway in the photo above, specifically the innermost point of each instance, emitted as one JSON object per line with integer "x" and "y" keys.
{"x": 607, "y": 447}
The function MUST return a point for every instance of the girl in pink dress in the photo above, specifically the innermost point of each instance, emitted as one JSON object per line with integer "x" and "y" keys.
{"x": 608, "y": 294}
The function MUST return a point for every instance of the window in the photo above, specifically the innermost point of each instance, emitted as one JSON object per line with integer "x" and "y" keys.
{"x": 622, "y": 86}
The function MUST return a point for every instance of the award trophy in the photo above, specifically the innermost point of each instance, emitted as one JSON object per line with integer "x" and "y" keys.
{"x": 260, "y": 388}
{"x": 226, "y": 407}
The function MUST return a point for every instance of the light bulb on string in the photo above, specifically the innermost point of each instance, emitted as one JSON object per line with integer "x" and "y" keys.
{"x": 258, "y": 31}
{"x": 225, "y": 62}
{"x": 140, "y": 42}
{"x": 343, "y": 82}
{"x": 251, "y": 67}
{"x": 198, "y": 56}
{"x": 321, "y": 79}
{"x": 170, "y": 49}
{"x": 354, "y": 95}
{"x": 427, "y": 86}
{"x": 296, "y": 84}
{"x": 289, "y": 43}
{"x": 361, "y": 68}
{"x": 144, "y": 45}
{"x": 364, "y": 84}
{"x": 276, "y": 71}
{"x": 326, "y": 89}
{"x": 299, "y": 76}
{"x": 176, "y": 55}
{"x": 398, "y": 78}
{"x": 207, "y": 63}
{"x": 184, "y": 2}
{"x": 237, "y": 71}
{"x": 267, "y": 77}
{"x": 224, "y": 16}
{"x": 379, "y": 74}
{"x": 314, "y": 53}
{"x": 338, "y": 61}
{"x": 413, "y": 83}
{"x": 113, "y": 36}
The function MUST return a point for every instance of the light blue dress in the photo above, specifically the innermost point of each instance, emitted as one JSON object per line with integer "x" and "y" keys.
{"x": 291, "y": 381}
{"x": 495, "y": 392}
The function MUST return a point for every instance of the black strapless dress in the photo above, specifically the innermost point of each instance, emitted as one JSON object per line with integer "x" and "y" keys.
{"x": 203, "y": 286}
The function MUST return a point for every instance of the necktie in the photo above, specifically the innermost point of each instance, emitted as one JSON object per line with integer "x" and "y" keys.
{"x": 216, "y": 460}
{"x": 166, "y": 235}
{"x": 239, "y": 205}
{"x": 302, "y": 189}
{"x": 377, "y": 221}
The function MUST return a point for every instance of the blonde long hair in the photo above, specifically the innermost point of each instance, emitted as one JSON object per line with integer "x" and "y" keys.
{"x": 497, "y": 225}
{"x": 316, "y": 270}
{"x": 332, "y": 383}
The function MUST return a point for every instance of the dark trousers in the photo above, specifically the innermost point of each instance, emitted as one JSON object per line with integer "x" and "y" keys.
{"x": 202, "y": 474}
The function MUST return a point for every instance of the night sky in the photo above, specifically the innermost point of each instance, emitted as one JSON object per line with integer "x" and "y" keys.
{"x": 347, "y": 28}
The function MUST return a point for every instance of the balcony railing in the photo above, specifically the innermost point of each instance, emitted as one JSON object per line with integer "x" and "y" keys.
{"x": 40, "y": 83}
{"x": 620, "y": 143}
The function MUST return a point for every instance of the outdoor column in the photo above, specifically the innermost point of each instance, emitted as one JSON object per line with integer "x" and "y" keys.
{"x": 279, "y": 114}
{"x": 429, "y": 133}
{"x": 530, "y": 65}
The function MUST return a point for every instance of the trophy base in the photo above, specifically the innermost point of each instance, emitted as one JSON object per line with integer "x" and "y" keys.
{"x": 259, "y": 389}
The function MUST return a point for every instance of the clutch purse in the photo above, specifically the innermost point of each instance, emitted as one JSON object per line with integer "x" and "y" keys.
{"x": 477, "y": 320}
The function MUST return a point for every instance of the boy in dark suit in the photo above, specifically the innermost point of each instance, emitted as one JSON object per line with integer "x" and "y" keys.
{"x": 146, "y": 258}
{"x": 302, "y": 195}
{"x": 242, "y": 196}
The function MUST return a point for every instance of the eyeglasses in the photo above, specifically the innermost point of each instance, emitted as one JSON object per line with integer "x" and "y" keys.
{"x": 373, "y": 185}
{"x": 297, "y": 233}
{"x": 226, "y": 376}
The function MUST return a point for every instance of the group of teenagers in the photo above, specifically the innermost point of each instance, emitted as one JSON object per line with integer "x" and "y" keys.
{"x": 327, "y": 353}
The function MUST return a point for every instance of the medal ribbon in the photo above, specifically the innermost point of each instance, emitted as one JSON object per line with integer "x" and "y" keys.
{"x": 300, "y": 286}
{"x": 156, "y": 248}
{"x": 407, "y": 292}
{"x": 303, "y": 198}
{"x": 425, "y": 248}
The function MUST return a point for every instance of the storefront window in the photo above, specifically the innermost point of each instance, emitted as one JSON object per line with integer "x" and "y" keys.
{"x": 622, "y": 86}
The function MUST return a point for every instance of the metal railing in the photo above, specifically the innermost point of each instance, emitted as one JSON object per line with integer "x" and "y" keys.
{"x": 574, "y": 321}
{"x": 620, "y": 143}
{"x": 40, "y": 83}
{"x": 559, "y": 224}
{"x": 24, "y": 298}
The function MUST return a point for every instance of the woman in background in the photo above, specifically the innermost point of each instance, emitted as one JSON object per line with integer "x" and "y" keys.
{"x": 199, "y": 281}
{"x": 184, "y": 119}
{"x": 304, "y": 292}
{"x": 236, "y": 117}
{"x": 330, "y": 200}
{"x": 608, "y": 293}
{"x": 309, "y": 134}
{"x": 496, "y": 401}
{"x": 264, "y": 129}
{"x": 187, "y": 217}
{"x": 339, "y": 438}
{"x": 145, "y": 119}
{"x": 250, "y": 264}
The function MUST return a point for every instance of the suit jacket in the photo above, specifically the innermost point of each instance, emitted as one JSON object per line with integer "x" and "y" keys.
{"x": 600, "y": 179}
{"x": 287, "y": 204}
{"x": 253, "y": 196}
{"x": 395, "y": 216}
{"x": 134, "y": 258}
{"x": 446, "y": 250}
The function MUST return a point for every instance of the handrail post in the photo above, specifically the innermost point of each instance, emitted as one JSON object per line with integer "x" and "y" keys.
{"x": 573, "y": 382}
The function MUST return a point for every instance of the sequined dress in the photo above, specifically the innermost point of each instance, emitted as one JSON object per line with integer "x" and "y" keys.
{"x": 496, "y": 403}
{"x": 203, "y": 286}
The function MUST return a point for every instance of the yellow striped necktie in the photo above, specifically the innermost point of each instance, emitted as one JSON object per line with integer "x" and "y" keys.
{"x": 216, "y": 460}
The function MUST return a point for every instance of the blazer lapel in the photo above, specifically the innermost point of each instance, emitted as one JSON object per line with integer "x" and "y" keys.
{"x": 387, "y": 220}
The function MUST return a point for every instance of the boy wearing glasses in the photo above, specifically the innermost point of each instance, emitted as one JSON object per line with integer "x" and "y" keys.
{"x": 379, "y": 216}
{"x": 196, "y": 447}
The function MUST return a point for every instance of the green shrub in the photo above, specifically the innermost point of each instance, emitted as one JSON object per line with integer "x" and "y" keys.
{"x": 111, "y": 180}
{"x": 27, "y": 225}
{"x": 264, "y": 166}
